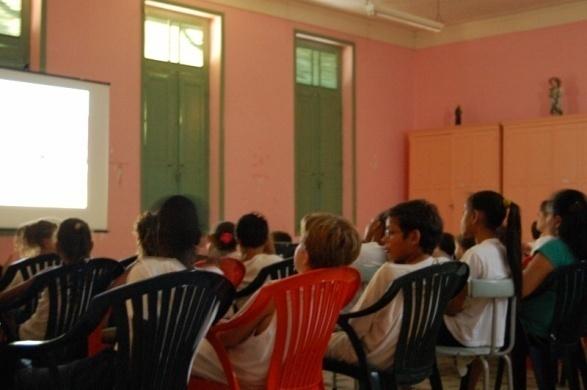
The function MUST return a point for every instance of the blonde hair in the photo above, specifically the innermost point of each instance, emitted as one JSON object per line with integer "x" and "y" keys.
{"x": 330, "y": 240}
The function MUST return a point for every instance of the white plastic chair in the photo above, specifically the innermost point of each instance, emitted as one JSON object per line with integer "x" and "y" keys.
{"x": 491, "y": 289}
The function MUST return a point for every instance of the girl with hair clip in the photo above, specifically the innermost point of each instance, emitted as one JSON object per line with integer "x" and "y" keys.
{"x": 468, "y": 321}
{"x": 222, "y": 243}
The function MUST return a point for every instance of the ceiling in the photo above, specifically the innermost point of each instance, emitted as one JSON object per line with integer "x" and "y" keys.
{"x": 449, "y": 12}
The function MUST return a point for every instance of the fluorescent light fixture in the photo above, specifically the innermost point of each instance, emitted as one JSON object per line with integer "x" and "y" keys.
{"x": 410, "y": 20}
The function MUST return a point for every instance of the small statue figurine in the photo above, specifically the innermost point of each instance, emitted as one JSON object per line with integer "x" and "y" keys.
{"x": 458, "y": 116}
{"x": 555, "y": 95}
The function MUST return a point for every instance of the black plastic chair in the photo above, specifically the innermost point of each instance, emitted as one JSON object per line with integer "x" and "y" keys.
{"x": 127, "y": 262}
{"x": 570, "y": 286}
{"x": 28, "y": 268}
{"x": 70, "y": 289}
{"x": 159, "y": 323}
{"x": 426, "y": 293}
{"x": 279, "y": 270}
{"x": 285, "y": 249}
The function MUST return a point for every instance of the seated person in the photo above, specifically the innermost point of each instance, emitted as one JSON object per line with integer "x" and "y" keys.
{"x": 74, "y": 244}
{"x": 222, "y": 243}
{"x": 468, "y": 321}
{"x": 32, "y": 239}
{"x": 327, "y": 241}
{"x": 252, "y": 235}
{"x": 413, "y": 230}
{"x": 178, "y": 235}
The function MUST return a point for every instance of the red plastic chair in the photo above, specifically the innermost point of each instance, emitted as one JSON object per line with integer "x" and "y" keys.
{"x": 233, "y": 269}
{"x": 307, "y": 307}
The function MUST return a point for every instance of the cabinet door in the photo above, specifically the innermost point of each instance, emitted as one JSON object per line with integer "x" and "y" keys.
{"x": 475, "y": 166}
{"x": 430, "y": 174}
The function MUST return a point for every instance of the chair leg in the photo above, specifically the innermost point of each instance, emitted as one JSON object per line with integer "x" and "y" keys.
{"x": 435, "y": 381}
{"x": 571, "y": 371}
{"x": 499, "y": 374}
{"x": 485, "y": 372}
{"x": 508, "y": 363}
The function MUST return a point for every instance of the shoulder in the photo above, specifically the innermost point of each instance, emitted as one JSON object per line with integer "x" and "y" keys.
{"x": 148, "y": 267}
{"x": 556, "y": 252}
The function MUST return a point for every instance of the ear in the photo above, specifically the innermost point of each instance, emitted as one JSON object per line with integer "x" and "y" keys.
{"x": 475, "y": 217}
{"x": 414, "y": 237}
{"x": 556, "y": 222}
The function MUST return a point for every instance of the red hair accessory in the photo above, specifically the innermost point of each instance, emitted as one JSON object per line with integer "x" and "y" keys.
{"x": 225, "y": 238}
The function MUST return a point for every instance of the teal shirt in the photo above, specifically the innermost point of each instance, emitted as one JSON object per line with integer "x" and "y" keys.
{"x": 536, "y": 312}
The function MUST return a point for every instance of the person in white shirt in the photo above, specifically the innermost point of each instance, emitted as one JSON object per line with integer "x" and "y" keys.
{"x": 545, "y": 225}
{"x": 222, "y": 243}
{"x": 252, "y": 235}
{"x": 469, "y": 320}
{"x": 327, "y": 241}
{"x": 413, "y": 230}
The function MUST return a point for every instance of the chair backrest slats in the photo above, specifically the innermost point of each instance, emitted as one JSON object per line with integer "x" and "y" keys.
{"x": 425, "y": 295}
{"x": 307, "y": 307}
{"x": 570, "y": 285}
{"x": 279, "y": 270}
{"x": 160, "y": 321}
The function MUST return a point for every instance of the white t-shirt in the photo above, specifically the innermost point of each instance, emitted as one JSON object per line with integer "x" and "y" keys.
{"x": 371, "y": 257}
{"x": 472, "y": 326}
{"x": 149, "y": 267}
{"x": 256, "y": 264}
{"x": 250, "y": 359}
{"x": 379, "y": 332}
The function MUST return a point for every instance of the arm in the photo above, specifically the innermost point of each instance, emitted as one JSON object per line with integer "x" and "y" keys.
{"x": 535, "y": 273}
{"x": 8, "y": 296}
{"x": 457, "y": 304}
{"x": 237, "y": 335}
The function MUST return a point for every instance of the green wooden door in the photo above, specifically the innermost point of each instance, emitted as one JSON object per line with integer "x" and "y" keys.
{"x": 318, "y": 139}
{"x": 175, "y": 134}
{"x": 193, "y": 139}
{"x": 159, "y": 173}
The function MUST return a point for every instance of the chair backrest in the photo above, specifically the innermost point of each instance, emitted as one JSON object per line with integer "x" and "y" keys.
{"x": 28, "y": 268}
{"x": 70, "y": 289}
{"x": 570, "y": 285}
{"x": 426, "y": 294}
{"x": 159, "y": 323}
{"x": 307, "y": 307}
{"x": 285, "y": 249}
{"x": 127, "y": 262}
{"x": 498, "y": 290}
{"x": 233, "y": 269}
{"x": 279, "y": 270}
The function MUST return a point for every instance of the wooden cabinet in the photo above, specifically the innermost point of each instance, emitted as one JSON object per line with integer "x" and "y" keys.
{"x": 540, "y": 157}
{"x": 447, "y": 165}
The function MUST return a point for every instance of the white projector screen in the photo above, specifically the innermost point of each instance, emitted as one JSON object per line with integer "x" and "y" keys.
{"x": 53, "y": 149}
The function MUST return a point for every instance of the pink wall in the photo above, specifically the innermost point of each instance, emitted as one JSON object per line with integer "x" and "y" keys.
{"x": 502, "y": 77}
{"x": 397, "y": 89}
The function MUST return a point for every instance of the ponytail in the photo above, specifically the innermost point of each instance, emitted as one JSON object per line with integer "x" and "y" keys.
{"x": 496, "y": 209}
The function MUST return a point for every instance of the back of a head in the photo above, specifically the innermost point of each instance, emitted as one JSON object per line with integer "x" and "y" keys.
{"x": 419, "y": 215}
{"x": 179, "y": 230}
{"x": 330, "y": 240}
{"x": 447, "y": 244}
{"x": 571, "y": 207}
{"x": 74, "y": 241}
{"x": 224, "y": 237}
{"x": 495, "y": 208}
{"x": 252, "y": 230}
{"x": 146, "y": 230}
{"x": 37, "y": 237}
{"x": 281, "y": 236}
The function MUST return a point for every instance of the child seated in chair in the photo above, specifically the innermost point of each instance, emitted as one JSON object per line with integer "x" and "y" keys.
{"x": 74, "y": 244}
{"x": 252, "y": 234}
{"x": 412, "y": 232}
{"x": 327, "y": 241}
